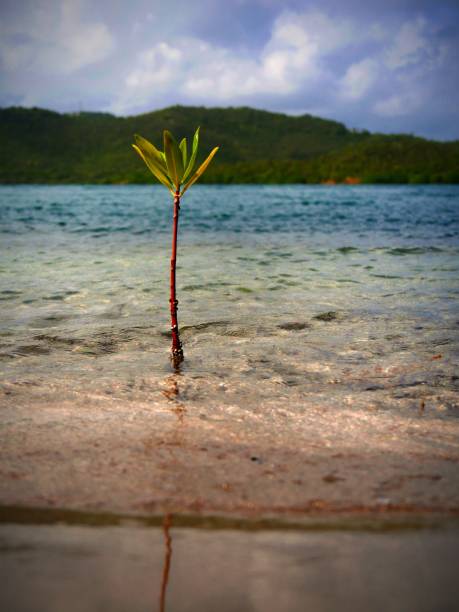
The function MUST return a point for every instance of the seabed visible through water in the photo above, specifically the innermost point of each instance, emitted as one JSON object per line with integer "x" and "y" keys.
{"x": 321, "y": 337}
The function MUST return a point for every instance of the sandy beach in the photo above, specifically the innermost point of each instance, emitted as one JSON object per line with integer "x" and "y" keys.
{"x": 320, "y": 372}
{"x": 178, "y": 455}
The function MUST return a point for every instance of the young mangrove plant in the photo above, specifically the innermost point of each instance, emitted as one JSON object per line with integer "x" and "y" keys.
{"x": 174, "y": 170}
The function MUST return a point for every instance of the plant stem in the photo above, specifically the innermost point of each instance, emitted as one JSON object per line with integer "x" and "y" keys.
{"x": 177, "y": 352}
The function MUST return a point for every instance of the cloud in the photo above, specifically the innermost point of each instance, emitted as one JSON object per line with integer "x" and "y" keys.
{"x": 389, "y": 67}
{"x": 412, "y": 62}
{"x": 53, "y": 41}
{"x": 313, "y": 30}
{"x": 289, "y": 61}
{"x": 398, "y": 105}
{"x": 359, "y": 78}
{"x": 409, "y": 46}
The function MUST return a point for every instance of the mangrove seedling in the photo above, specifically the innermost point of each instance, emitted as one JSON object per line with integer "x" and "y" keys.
{"x": 174, "y": 170}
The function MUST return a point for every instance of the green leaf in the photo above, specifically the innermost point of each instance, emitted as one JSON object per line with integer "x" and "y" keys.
{"x": 173, "y": 158}
{"x": 156, "y": 169}
{"x": 194, "y": 152}
{"x": 149, "y": 150}
{"x": 182, "y": 147}
{"x": 200, "y": 171}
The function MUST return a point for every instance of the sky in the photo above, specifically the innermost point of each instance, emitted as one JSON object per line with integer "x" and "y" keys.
{"x": 386, "y": 66}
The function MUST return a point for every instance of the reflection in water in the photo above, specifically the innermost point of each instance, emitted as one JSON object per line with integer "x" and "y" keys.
{"x": 172, "y": 389}
{"x": 172, "y": 392}
{"x": 81, "y": 562}
{"x": 167, "y": 562}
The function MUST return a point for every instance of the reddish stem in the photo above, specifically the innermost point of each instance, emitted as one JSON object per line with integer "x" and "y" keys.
{"x": 177, "y": 352}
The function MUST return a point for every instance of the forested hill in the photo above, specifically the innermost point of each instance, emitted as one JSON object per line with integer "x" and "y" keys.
{"x": 41, "y": 146}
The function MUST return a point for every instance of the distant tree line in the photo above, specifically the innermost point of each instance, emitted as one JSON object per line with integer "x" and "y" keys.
{"x": 41, "y": 146}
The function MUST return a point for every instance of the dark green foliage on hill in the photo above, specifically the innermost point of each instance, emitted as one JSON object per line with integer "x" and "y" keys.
{"x": 40, "y": 146}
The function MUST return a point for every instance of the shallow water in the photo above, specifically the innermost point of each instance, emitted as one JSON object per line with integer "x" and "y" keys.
{"x": 285, "y": 293}
{"x": 131, "y": 566}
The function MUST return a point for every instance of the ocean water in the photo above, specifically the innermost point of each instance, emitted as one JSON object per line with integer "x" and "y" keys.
{"x": 347, "y": 295}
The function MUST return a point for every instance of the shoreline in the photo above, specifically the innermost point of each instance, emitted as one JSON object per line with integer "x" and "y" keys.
{"x": 378, "y": 520}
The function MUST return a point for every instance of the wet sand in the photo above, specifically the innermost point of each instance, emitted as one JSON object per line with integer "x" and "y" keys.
{"x": 177, "y": 455}
{"x": 79, "y": 568}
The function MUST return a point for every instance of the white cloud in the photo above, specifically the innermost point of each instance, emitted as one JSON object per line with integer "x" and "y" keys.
{"x": 81, "y": 43}
{"x": 358, "y": 79}
{"x": 399, "y": 104}
{"x": 365, "y": 69}
{"x": 408, "y": 45}
{"x": 415, "y": 46}
{"x": 290, "y": 61}
{"x": 410, "y": 61}
{"x": 313, "y": 30}
{"x": 53, "y": 41}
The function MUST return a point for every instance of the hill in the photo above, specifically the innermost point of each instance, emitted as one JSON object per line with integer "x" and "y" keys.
{"x": 42, "y": 146}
